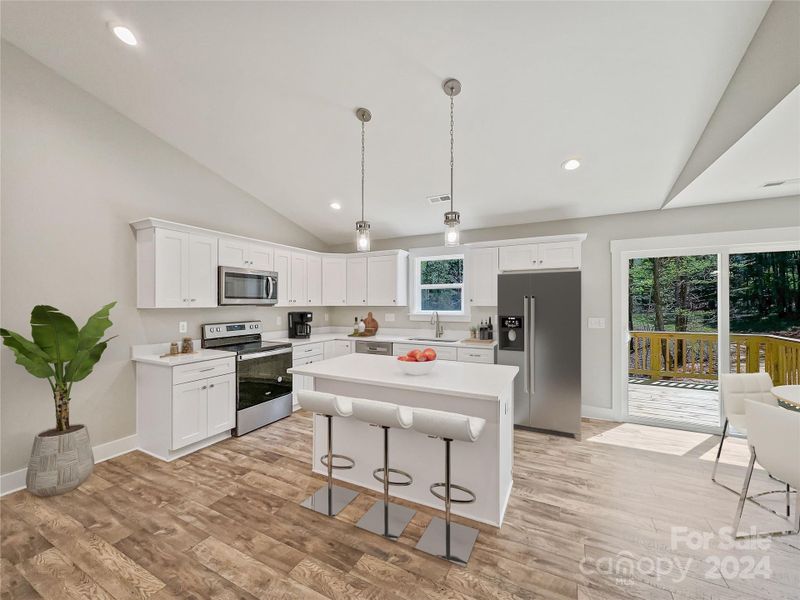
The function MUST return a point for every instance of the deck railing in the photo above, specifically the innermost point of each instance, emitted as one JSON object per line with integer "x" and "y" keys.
{"x": 668, "y": 354}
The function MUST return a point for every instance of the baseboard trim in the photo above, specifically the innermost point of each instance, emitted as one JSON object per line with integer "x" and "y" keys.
{"x": 15, "y": 481}
{"x": 598, "y": 412}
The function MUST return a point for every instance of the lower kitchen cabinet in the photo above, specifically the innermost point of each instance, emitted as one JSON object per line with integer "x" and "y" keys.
{"x": 335, "y": 348}
{"x": 304, "y": 354}
{"x": 182, "y": 408}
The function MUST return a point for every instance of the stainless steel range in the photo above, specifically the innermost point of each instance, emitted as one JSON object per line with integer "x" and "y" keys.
{"x": 263, "y": 383}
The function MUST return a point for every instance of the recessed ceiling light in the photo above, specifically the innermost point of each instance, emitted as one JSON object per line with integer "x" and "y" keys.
{"x": 571, "y": 164}
{"x": 124, "y": 34}
{"x": 336, "y": 206}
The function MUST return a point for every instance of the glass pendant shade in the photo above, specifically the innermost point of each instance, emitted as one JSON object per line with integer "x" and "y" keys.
{"x": 452, "y": 222}
{"x": 362, "y": 236}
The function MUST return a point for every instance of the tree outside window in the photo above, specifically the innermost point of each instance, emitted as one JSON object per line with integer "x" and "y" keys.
{"x": 440, "y": 284}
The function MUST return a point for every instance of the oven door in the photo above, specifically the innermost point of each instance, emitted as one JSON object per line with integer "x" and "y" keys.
{"x": 263, "y": 377}
{"x": 246, "y": 286}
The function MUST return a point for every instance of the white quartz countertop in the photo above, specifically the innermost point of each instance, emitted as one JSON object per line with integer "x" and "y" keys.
{"x": 467, "y": 380}
{"x": 181, "y": 359}
{"x": 397, "y": 339}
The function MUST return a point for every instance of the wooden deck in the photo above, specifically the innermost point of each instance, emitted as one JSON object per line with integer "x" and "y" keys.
{"x": 679, "y": 402}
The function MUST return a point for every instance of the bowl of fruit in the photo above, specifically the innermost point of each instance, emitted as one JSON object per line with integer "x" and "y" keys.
{"x": 417, "y": 362}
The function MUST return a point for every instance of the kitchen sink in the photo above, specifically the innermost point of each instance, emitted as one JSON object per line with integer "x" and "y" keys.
{"x": 433, "y": 340}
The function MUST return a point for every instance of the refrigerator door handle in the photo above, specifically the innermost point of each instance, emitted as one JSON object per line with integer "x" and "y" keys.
{"x": 526, "y": 341}
{"x": 531, "y": 342}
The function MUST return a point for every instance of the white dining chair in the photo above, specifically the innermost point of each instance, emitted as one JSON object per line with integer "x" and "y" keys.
{"x": 734, "y": 389}
{"x": 773, "y": 435}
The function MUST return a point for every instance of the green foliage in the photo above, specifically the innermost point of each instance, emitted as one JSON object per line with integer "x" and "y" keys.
{"x": 442, "y": 271}
{"x": 764, "y": 293}
{"x": 60, "y": 352}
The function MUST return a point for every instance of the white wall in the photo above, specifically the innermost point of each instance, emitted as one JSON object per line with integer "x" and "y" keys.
{"x": 74, "y": 173}
{"x": 596, "y": 275}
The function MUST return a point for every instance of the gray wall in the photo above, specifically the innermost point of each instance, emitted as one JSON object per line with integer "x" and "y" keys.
{"x": 74, "y": 173}
{"x": 596, "y": 257}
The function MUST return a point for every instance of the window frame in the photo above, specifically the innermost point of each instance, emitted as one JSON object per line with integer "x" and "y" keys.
{"x": 417, "y": 313}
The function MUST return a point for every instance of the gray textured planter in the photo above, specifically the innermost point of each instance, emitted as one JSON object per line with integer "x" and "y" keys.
{"x": 60, "y": 461}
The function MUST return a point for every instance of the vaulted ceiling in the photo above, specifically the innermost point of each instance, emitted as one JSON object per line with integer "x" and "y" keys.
{"x": 264, "y": 94}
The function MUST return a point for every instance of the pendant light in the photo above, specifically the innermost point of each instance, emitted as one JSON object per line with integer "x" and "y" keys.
{"x": 362, "y": 226}
{"x": 452, "y": 218}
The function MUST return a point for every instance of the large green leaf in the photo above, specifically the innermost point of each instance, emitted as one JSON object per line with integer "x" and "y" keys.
{"x": 95, "y": 327}
{"x": 54, "y": 332}
{"x": 83, "y": 363}
{"x": 28, "y": 354}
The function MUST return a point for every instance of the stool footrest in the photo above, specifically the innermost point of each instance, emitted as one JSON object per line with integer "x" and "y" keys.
{"x": 460, "y": 488}
{"x": 350, "y": 462}
{"x": 408, "y": 481}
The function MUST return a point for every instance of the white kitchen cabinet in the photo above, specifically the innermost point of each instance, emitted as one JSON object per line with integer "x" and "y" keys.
{"x": 518, "y": 258}
{"x": 221, "y": 404}
{"x": 482, "y": 265}
{"x": 245, "y": 255}
{"x": 189, "y": 413}
{"x": 181, "y": 408}
{"x": 560, "y": 255}
{"x": 283, "y": 267}
{"x": 314, "y": 278}
{"x": 334, "y": 281}
{"x": 387, "y": 279}
{"x": 175, "y": 269}
{"x": 334, "y": 348}
{"x": 547, "y": 255}
{"x": 357, "y": 280}
{"x": 303, "y": 354}
{"x": 476, "y": 355}
{"x": 298, "y": 294}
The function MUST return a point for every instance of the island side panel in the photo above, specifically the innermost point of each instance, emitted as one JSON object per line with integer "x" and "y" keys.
{"x": 474, "y": 465}
{"x": 506, "y": 446}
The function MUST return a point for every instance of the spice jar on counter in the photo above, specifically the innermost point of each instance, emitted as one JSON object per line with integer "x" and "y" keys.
{"x": 187, "y": 346}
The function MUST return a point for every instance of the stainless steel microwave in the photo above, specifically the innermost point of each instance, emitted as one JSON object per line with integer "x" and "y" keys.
{"x": 247, "y": 286}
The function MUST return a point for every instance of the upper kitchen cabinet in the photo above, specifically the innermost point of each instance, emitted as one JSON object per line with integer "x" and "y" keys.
{"x": 283, "y": 267}
{"x": 334, "y": 280}
{"x": 546, "y": 255}
{"x": 314, "y": 272}
{"x": 357, "y": 280}
{"x": 298, "y": 290}
{"x": 245, "y": 255}
{"x": 175, "y": 269}
{"x": 387, "y": 279}
{"x": 482, "y": 269}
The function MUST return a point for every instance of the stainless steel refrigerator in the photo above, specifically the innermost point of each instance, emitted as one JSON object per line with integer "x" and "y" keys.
{"x": 539, "y": 331}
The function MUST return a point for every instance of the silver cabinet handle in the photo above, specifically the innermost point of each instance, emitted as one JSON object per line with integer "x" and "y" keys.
{"x": 204, "y": 387}
{"x": 194, "y": 300}
{"x": 212, "y": 385}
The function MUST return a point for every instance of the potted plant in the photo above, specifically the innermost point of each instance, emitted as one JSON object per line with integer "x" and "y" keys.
{"x": 61, "y": 458}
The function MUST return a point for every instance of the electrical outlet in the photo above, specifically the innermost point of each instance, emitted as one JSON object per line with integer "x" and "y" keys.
{"x": 183, "y": 327}
{"x": 278, "y": 321}
{"x": 389, "y": 317}
{"x": 597, "y": 323}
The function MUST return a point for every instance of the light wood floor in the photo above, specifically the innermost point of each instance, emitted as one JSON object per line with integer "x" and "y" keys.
{"x": 224, "y": 523}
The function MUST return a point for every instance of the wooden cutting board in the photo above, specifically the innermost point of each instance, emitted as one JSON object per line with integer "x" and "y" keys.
{"x": 477, "y": 341}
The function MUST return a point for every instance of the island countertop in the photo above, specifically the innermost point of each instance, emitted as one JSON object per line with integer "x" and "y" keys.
{"x": 466, "y": 380}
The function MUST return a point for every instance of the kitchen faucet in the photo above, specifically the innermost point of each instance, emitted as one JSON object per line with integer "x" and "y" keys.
{"x": 438, "y": 327}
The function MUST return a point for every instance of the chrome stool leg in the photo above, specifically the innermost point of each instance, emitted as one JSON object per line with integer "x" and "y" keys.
{"x": 451, "y": 541}
{"x": 331, "y": 499}
{"x": 386, "y": 518}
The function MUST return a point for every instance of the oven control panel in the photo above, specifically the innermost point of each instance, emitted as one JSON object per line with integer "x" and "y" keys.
{"x": 223, "y": 330}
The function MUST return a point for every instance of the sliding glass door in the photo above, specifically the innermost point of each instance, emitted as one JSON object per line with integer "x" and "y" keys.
{"x": 673, "y": 341}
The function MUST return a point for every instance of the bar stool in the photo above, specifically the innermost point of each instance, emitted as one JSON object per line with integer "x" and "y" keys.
{"x": 331, "y": 499}
{"x": 444, "y": 539}
{"x": 385, "y": 518}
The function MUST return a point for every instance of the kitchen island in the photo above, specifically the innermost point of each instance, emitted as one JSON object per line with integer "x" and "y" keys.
{"x": 479, "y": 390}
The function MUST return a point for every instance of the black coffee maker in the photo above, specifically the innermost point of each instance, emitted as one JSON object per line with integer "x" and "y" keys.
{"x": 300, "y": 324}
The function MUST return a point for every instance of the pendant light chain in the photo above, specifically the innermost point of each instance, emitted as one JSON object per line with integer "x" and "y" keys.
{"x": 362, "y": 169}
{"x": 452, "y": 121}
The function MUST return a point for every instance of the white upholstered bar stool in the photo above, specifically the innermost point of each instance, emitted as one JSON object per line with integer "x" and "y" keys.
{"x": 444, "y": 539}
{"x": 331, "y": 499}
{"x": 385, "y": 518}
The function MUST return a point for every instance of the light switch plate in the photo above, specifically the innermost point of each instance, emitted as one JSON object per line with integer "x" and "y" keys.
{"x": 277, "y": 321}
{"x": 597, "y": 323}
{"x": 389, "y": 317}
{"x": 183, "y": 327}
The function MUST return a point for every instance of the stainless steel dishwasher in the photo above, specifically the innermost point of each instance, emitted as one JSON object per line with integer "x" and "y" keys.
{"x": 383, "y": 348}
